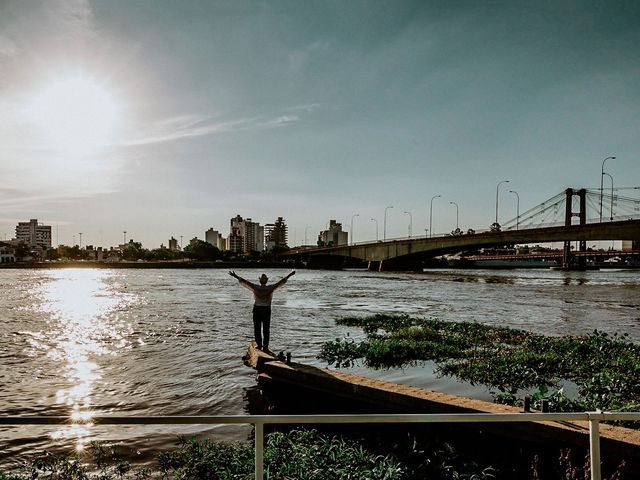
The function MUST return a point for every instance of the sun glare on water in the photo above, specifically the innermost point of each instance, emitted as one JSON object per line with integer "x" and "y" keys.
{"x": 75, "y": 113}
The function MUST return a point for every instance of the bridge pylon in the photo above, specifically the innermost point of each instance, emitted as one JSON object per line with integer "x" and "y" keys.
{"x": 568, "y": 218}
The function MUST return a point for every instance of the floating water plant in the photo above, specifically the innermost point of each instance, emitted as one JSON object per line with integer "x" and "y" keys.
{"x": 605, "y": 368}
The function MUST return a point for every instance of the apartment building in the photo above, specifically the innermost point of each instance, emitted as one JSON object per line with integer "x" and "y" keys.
{"x": 245, "y": 236}
{"x": 215, "y": 238}
{"x": 34, "y": 234}
{"x": 276, "y": 234}
{"x": 333, "y": 236}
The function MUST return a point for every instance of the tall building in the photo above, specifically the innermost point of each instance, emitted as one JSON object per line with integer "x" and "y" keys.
{"x": 214, "y": 238}
{"x": 245, "y": 236}
{"x": 173, "y": 245}
{"x": 276, "y": 234}
{"x": 253, "y": 236}
{"x": 235, "y": 240}
{"x": 33, "y": 234}
{"x": 333, "y": 236}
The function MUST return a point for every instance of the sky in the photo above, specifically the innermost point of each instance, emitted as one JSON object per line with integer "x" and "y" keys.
{"x": 165, "y": 118}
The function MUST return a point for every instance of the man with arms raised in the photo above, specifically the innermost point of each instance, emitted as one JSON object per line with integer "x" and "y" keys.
{"x": 262, "y": 295}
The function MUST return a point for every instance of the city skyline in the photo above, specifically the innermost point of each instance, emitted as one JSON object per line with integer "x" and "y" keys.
{"x": 166, "y": 119}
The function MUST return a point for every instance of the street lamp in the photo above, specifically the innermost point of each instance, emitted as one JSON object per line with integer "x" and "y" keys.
{"x": 124, "y": 237}
{"x": 431, "y": 213}
{"x": 374, "y": 220}
{"x": 384, "y": 228}
{"x": 517, "y": 208}
{"x": 410, "y": 223}
{"x": 498, "y": 188}
{"x": 352, "y": 217}
{"x": 81, "y": 232}
{"x": 601, "y": 179}
{"x": 305, "y": 233}
{"x": 457, "y": 211}
{"x": 611, "y": 208}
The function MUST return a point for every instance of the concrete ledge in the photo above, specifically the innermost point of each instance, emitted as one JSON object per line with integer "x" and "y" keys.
{"x": 384, "y": 396}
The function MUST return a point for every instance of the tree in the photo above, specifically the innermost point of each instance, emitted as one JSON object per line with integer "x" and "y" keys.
{"x": 162, "y": 253}
{"x": 22, "y": 250}
{"x": 133, "y": 251}
{"x": 203, "y": 251}
{"x": 52, "y": 254}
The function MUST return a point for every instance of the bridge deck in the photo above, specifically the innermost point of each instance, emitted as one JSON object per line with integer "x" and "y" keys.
{"x": 397, "y": 250}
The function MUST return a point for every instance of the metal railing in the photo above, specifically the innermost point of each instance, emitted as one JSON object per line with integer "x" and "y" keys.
{"x": 259, "y": 421}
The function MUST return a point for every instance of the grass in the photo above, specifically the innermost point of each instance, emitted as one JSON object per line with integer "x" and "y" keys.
{"x": 298, "y": 454}
{"x": 605, "y": 368}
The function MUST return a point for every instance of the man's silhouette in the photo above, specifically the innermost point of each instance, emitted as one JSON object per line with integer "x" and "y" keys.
{"x": 262, "y": 295}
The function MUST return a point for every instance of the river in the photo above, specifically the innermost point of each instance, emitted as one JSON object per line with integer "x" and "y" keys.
{"x": 85, "y": 342}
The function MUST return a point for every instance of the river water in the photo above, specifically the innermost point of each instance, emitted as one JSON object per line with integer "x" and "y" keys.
{"x": 85, "y": 342}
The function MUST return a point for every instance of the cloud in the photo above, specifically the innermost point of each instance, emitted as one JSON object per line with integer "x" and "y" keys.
{"x": 192, "y": 126}
{"x": 24, "y": 200}
{"x": 184, "y": 127}
{"x": 299, "y": 60}
{"x": 7, "y": 47}
{"x": 73, "y": 16}
{"x": 306, "y": 108}
{"x": 279, "y": 121}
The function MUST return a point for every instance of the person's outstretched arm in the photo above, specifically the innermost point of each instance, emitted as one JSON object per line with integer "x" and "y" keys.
{"x": 236, "y": 276}
{"x": 283, "y": 280}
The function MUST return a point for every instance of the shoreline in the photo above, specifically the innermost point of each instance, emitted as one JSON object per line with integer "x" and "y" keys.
{"x": 186, "y": 265}
{"x": 146, "y": 265}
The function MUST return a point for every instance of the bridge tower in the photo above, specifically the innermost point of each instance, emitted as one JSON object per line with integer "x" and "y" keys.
{"x": 568, "y": 217}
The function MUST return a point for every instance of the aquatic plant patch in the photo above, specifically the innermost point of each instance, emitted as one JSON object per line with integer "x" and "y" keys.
{"x": 605, "y": 368}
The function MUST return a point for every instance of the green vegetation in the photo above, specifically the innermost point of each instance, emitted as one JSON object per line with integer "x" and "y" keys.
{"x": 605, "y": 368}
{"x": 298, "y": 454}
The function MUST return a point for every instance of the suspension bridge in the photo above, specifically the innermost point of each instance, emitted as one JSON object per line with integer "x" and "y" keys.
{"x": 574, "y": 215}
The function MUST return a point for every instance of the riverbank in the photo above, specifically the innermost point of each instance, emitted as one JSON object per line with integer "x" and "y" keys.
{"x": 150, "y": 265}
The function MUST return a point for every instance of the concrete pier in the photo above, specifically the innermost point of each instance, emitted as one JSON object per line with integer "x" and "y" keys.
{"x": 617, "y": 443}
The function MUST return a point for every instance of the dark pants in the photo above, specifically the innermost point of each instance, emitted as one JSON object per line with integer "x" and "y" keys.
{"x": 261, "y": 325}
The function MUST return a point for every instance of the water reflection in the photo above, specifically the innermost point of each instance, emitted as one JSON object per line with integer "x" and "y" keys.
{"x": 79, "y": 329}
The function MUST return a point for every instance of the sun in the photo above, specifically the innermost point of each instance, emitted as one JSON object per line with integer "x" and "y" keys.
{"x": 75, "y": 113}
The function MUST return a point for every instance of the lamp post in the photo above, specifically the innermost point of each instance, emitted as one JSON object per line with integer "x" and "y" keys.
{"x": 457, "y": 212}
{"x": 305, "y": 233}
{"x": 374, "y": 220}
{"x": 410, "y": 223}
{"x": 384, "y": 228}
{"x": 517, "y": 208}
{"x": 611, "y": 207}
{"x": 81, "y": 232}
{"x": 497, "y": 189}
{"x": 351, "y": 231}
{"x": 601, "y": 179}
{"x": 124, "y": 237}
{"x": 431, "y": 214}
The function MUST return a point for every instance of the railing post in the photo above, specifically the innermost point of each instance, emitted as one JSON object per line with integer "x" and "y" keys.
{"x": 594, "y": 447}
{"x": 259, "y": 447}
